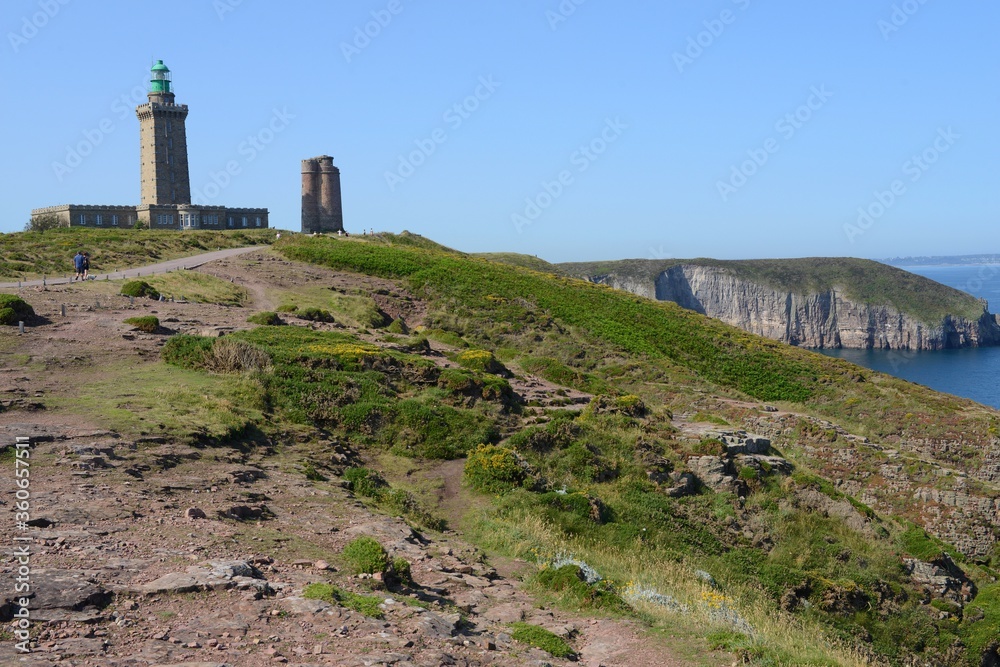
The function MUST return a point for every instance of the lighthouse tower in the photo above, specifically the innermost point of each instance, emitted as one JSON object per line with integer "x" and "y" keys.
{"x": 163, "y": 144}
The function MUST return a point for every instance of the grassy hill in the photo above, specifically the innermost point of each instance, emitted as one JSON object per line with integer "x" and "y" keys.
{"x": 780, "y": 566}
{"x": 25, "y": 255}
{"x": 656, "y": 354}
{"x": 863, "y": 281}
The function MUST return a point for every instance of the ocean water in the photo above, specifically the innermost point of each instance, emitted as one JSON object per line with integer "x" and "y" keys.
{"x": 973, "y": 373}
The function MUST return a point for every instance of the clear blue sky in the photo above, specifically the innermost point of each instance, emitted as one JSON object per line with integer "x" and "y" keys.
{"x": 689, "y": 147}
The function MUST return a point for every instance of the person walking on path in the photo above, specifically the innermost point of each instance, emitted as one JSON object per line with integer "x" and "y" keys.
{"x": 86, "y": 265}
{"x": 78, "y": 265}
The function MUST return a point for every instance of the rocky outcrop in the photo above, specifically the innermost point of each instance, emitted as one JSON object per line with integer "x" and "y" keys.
{"x": 827, "y": 319}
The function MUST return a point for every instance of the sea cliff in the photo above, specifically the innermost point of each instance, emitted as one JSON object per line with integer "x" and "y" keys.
{"x": 826, "y": 317}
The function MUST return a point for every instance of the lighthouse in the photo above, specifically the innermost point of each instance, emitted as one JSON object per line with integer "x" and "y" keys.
{"x": 163, "y": 144}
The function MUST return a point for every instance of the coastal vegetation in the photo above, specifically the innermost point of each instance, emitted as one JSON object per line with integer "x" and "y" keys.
{"x": 626, "y": 487}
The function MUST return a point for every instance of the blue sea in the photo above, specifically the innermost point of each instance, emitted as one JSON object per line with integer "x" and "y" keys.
{"x": 972, "y": 373}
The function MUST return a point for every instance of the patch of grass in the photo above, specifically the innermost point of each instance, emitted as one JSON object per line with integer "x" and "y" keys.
{"x": 363, "y": 604}
{"x": 539, "y": 637}
{"x": 705, "y": 417}
{"x": 357, "y": 310}
{"x": 198, "y": 288}
{"x": 981, "y": 618}
{"x": 446, "y": 337}
{"x": 144, "y": 399}
{"x": 145, "y": 323}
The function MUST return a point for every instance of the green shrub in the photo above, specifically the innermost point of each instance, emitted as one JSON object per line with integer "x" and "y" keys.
{"x": 570, "y": 581}
{"x": 315, "y": 314}
{"x": 558, "y": 433}
{"x": 482, "y": 361}
{"x": 139, "y": 288}
{"x": 398, "y": 326}
{"x": 266, "y": 318}
{"x": 401, "y": 567}
{"x": 541, "y": 638}
{"x": 710, "y": 447}
{"x": 495, "y": 469}
{"x": 626, "y": 406}
{"x": 363, "y": 604}
{"x": 145, "y": 323}
{"x": 366, "y": 556}
{"x": 365, "y": 482}
{"x": 630, "y": 405}
{"x": 187, "y": 351}
{"x": 287, "y": 308}
{"x": 14, "y": 309}
{"x": 574, "y": 503}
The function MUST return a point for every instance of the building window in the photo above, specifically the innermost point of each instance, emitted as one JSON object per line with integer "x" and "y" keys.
{"x": 258, "y": 221}
{"x": 83, "y": 218}
{"x": 244, "y": 221}
{"x": 230, "y": 221}
{"x": 114, "y": 220}
{"x": 98, "y": 219}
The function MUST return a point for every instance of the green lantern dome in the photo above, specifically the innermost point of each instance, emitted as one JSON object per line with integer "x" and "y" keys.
{"x": 160, "y": 81}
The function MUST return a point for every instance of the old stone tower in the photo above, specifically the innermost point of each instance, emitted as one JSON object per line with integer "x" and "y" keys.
{"x": 163, "y": 144}
{"x": 322, "y": 208}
